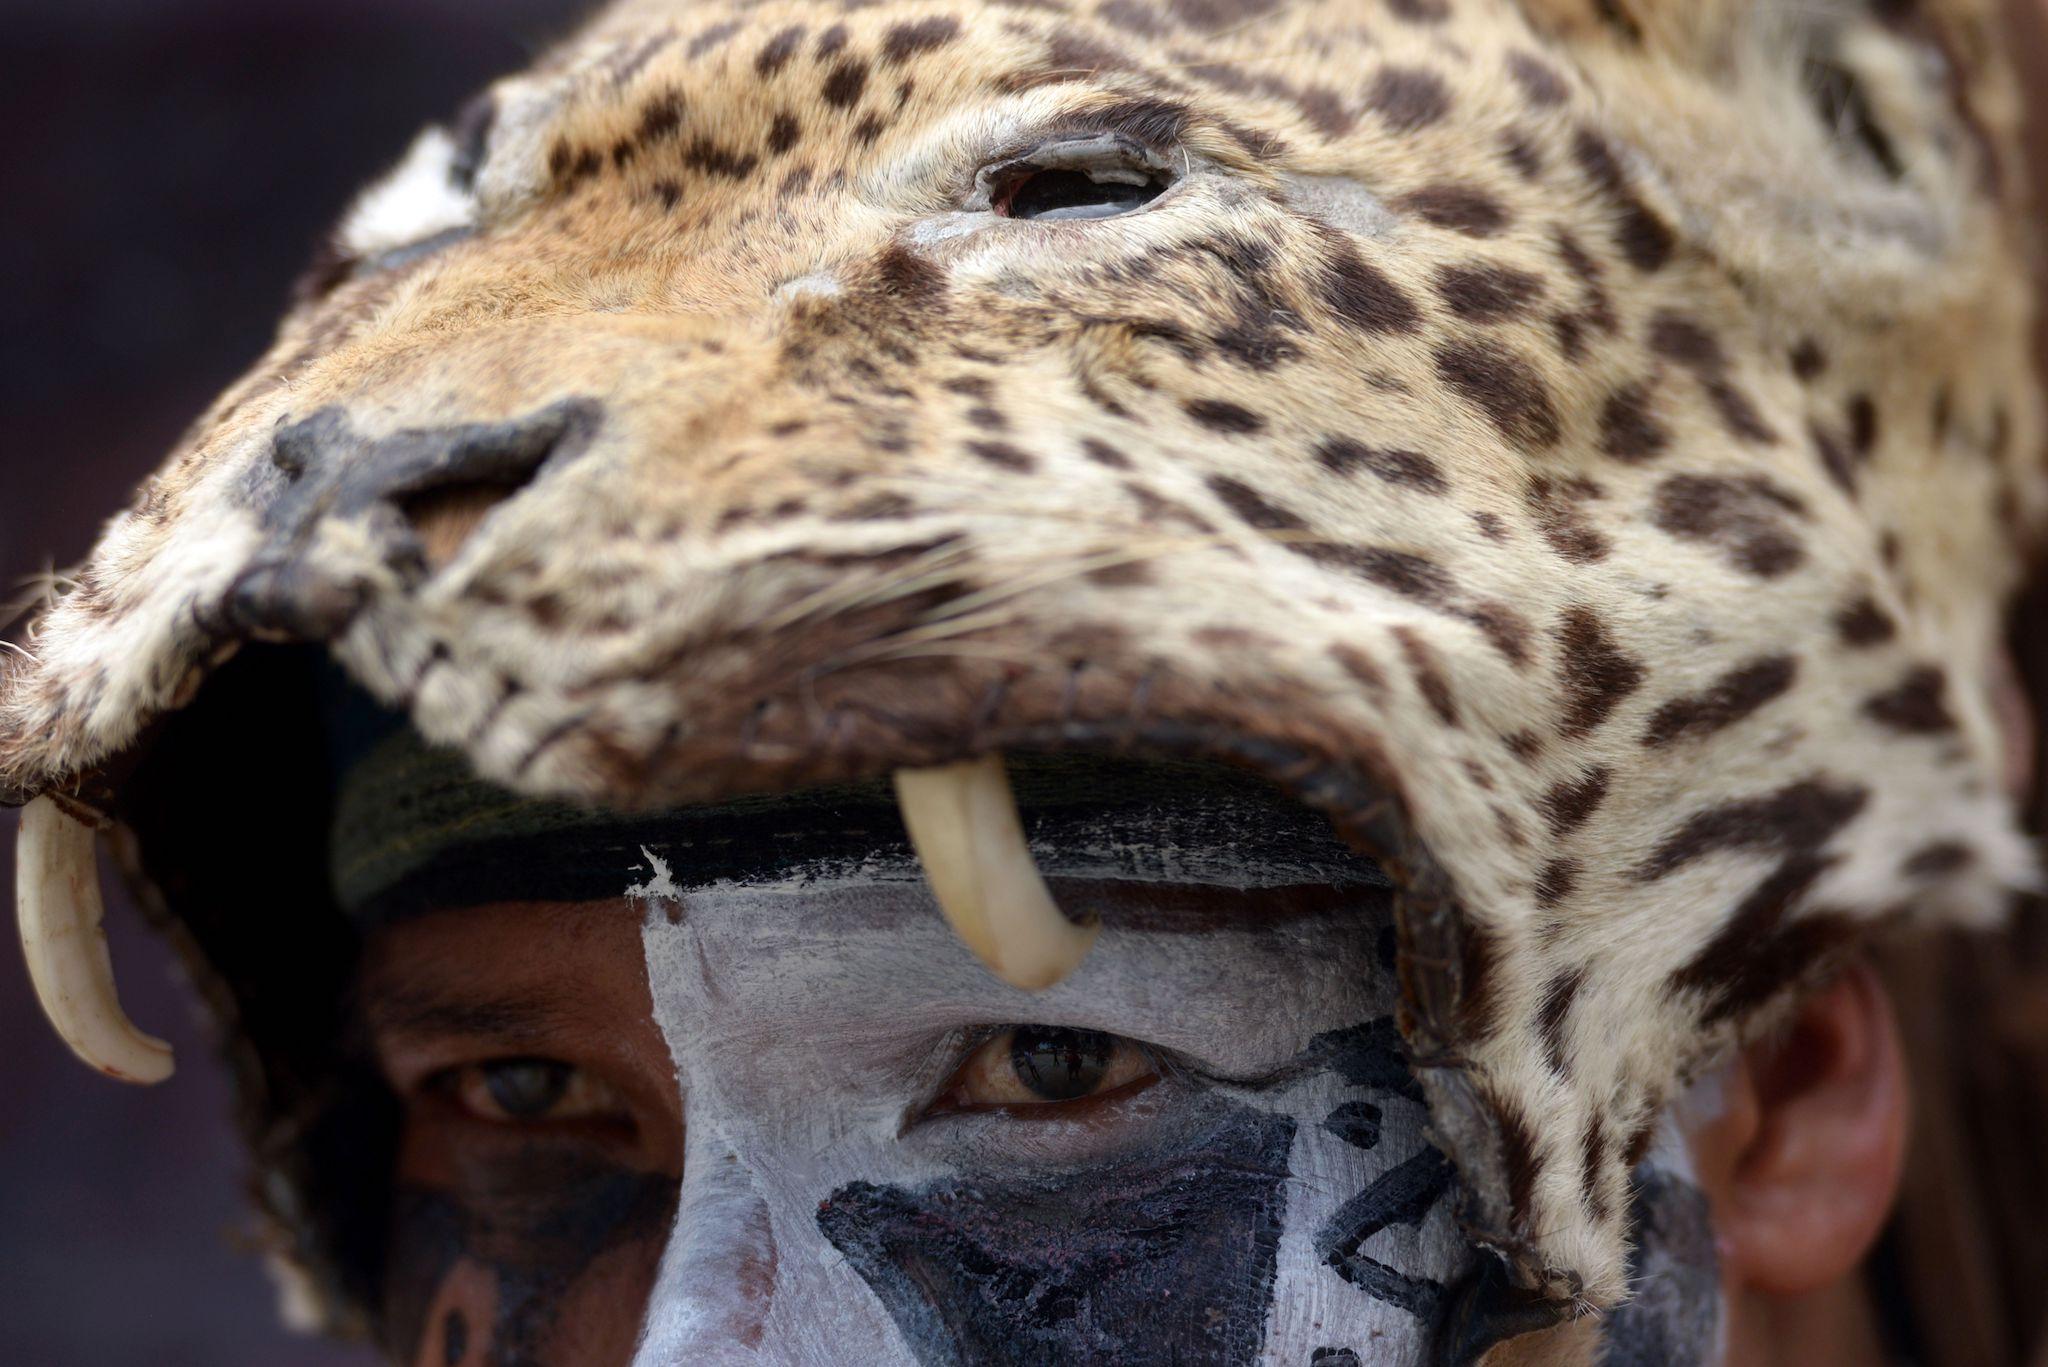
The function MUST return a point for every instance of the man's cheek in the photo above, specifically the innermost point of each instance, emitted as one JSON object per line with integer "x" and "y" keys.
{"x": 453, "y": 1329}
{"x": 545, "y": 1258}
{"x": 1161, "y": 1262}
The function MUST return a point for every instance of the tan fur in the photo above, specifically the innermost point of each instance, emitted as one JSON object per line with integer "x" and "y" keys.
{"x": 1652, "y": 601}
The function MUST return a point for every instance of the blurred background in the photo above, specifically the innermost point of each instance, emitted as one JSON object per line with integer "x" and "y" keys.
{"x": 168, "y": 169}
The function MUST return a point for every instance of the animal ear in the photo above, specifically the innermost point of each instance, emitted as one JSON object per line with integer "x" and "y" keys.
{"x": 1681, "y": 28}
{"x": 1835, "y": 149}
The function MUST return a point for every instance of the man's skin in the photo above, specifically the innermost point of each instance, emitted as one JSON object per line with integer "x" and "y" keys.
{"x": 1801, "y": 1169}
{"x": 1799, "y": 1162}
{"x": 850, "y": 1099}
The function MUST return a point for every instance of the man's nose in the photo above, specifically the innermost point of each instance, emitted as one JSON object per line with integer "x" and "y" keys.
{"x": 718, "y": 1279}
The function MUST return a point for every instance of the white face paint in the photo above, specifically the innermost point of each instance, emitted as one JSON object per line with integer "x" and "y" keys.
{"x": 1270, "y": 1197}
{"x": 888, "y": 1155}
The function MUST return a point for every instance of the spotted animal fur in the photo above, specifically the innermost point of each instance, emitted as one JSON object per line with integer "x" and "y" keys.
{"x": 1583, "y": 445}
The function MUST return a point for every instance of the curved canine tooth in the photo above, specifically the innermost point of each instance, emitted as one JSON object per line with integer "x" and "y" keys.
{"x": 57, "y": 897}
{"x": 963, "y": 823}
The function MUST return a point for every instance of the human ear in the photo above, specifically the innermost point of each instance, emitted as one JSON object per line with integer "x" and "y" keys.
{"x": 1803, "y": 1164}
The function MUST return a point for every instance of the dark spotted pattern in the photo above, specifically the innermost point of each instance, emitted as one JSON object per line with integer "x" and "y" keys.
{"x": 1596, "y": 673}
{"x": 1460, "y": 208}
{"x": 1504, "y": 386}
{"x": 1541, "y": 84}
{"x": 1554, "y": 1015}
{"x": 1751, "y": 519}
{"x": 1361, "y": 293}
{"x": 1408, "y": 468}
{"x": 1864, "y": 623}
{"x": 1732, "y": 697}
{"x": 1645, "y": 240}
{"x": 1559, "y": 509}
{"x": 1488, "y": 294}
{"x": 1568, "y": 804}
{"x": 1556, "y": 882}
{"x": 1220, "y": 415}
{"x": 776, "y": 52}
{"x": 1796, "y": 820}
{"x": 1692, "y": 346}
{"x": 1629, "y": 430}
{"x": 1429, "y": 675}
{"x": 1407, "y": 98}
{"x": 844, "y": 85}
{"x": 1916, "y": 705}
{"x": 907, "y": 40}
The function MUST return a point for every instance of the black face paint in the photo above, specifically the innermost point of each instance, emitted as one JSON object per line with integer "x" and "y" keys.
{"x": 1672, "y": 1319}
{"x": 1167, "y": 1261}
{"x": 1399, "y": 1196}
{"x": 1357, "y": 1123}
{"x": 535, "y": 1220}
{"x": 427, "y": 1238}
{"x": 1367, "y": 1055}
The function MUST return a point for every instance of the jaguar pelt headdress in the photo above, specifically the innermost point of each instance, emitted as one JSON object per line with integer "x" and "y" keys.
{"x": 1583, "y": 447}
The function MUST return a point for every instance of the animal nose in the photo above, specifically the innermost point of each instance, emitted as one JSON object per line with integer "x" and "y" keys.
{"x": 716, "y": 1287}
{"x": 360, "y": 509}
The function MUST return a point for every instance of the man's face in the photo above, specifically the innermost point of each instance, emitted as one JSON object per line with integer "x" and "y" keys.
{"x": 793, "y": 1119}
{"x": 788, "y": 1117}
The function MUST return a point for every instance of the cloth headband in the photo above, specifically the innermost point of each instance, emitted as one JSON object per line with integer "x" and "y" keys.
{"x": 413, "y": 828}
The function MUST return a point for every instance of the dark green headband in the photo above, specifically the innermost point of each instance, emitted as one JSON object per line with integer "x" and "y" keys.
{"x": 414, "y": 828}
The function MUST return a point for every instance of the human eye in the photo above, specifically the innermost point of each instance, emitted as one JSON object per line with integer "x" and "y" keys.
{"x": 530, "y": 1091}
{"x": 1043, "y": 1071}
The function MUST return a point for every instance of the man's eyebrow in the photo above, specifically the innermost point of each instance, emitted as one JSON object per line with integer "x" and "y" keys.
{"x": 420, "y": 1010}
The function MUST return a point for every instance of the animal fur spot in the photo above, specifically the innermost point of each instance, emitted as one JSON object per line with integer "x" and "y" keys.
{"x": 1596, "y": 676}
{"x": 907, "y": 40}
{"x": 1360, "y": 292}
{"x": 1504, "y": 387}
{"x": 1408, "y": 98}
{"x": 1916, "y": 706}
{"x": 1412, "y": 469}
{"x": 1488, "y": 294}
{"x": 844, "y": 85}
{"x": 776, "y": 52}
{"x": 1749, "y": 518}
{"x": 1219, "y": 415}
{"x": 1460, "y": 208}
{"x": 1629, "y": 431}
{"x": 1732, "y": 697}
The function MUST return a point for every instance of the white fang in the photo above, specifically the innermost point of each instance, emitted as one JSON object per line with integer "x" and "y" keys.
{"x": 964, "y": 825}
{"x": 57, "y": 899}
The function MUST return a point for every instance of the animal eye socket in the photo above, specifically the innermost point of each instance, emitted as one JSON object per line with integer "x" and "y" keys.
{"x": 1845, "y": 110}
{"x": 1046, "y": 1068}
{"x": 530, "y": 1091}
{"x": 1057, "y": 193}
